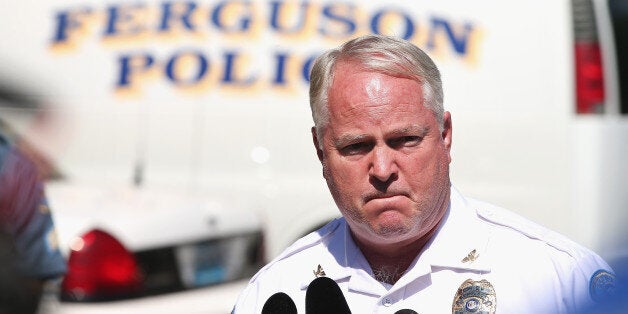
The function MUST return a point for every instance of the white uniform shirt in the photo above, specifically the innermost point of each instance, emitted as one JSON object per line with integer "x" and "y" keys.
{"x": 532, "y": 269}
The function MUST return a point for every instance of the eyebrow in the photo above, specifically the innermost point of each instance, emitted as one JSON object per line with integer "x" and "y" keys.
{"x": 412, "y": 129}
{"x": 349, "y": 138}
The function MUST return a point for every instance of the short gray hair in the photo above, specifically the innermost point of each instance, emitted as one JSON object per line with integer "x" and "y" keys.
{"x": 378, "y": 53}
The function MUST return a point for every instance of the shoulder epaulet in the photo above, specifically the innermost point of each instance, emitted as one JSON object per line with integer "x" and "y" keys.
{"x": 508, "y": 219}
{"x": 312, "y": 239}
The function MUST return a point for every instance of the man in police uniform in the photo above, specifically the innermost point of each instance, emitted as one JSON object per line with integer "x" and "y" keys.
{"x": 407, "y": 238}
{"x": 29, "y": 254}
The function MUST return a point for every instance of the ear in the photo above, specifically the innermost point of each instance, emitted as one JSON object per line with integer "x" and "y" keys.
{"x": 319, "y": 151}
{"x": 447, "y": 133}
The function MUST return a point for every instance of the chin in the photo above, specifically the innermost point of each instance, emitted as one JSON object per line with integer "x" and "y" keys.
{"x": 392, "y": 232}
{"x": 391, "y": 235}
{"x": 396, "y": 228}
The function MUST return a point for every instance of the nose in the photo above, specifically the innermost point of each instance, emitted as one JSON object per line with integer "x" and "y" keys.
{"x": 383, "y": 166}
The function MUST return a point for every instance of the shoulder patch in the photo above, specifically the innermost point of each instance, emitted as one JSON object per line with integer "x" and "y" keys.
{"x": 602, "y": 285}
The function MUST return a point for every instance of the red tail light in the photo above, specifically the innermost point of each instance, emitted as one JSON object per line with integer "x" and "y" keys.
{"x": 588, "y": 59}
{"x": 100, "y": 268}
{"x": 589, "y": 78}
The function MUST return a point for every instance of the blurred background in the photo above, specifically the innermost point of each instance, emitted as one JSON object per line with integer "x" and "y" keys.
{"x": 173, "y": 137}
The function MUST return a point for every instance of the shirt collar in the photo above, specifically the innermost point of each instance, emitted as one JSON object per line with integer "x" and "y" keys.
{"x": 460, "y": 233}
{"x": 340, "y": 257}
{"x": 348, "y": 264}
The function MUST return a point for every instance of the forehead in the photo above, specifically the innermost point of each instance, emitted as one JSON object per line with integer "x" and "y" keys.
{"x": 359, "y": 94}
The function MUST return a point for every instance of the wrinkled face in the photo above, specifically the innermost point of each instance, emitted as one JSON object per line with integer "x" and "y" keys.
{"x": 384, "y": 157}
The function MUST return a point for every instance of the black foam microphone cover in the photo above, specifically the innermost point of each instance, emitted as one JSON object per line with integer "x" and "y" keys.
{"x": 406, "y": 311}
{"x": 323, "y": 296}
{"x": 279, "y": 303}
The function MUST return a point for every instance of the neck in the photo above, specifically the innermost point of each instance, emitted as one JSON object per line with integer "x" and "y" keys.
{"x": 390, "y": 261}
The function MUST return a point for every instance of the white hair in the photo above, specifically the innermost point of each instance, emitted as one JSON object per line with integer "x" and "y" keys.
{"x": 383, "y": 54}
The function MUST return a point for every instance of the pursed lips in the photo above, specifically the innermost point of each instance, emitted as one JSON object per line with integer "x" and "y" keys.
{"x": 383, "y": 196}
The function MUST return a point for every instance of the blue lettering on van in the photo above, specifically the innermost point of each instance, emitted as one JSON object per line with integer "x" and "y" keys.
{"x": 243, "y": 22}
{"x": 119, "y": 16}
{"x": 212, "y": 22}
{"x": 275, "y": 14}
{"x": 229, "y": 75}
{"x": 188, "y": 68}
{"x": 329, "y": 20}
{"x": 168, "y": 15}
{"x": 173, "y": 65}
{"x": 377, "y": 17}
{"x": 132, "y": 64}
{"x": 280, "y": 77}
{"x": 307, "y": 68}
{"x": 66, "y": 21}
{"x": 458, "y": 41}
{"x": 330, "y": 12}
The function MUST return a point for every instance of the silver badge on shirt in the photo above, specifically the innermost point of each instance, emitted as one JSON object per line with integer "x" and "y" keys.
{"x": 474, "y": 297}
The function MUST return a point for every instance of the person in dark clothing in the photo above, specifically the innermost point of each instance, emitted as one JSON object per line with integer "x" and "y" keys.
{"x": 29, "y": 253}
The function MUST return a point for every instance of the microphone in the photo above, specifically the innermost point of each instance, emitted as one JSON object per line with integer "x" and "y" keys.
{"x": 324, "y": 296}
{"x": 279, "y": 303}
{"x": 406, "y": 311}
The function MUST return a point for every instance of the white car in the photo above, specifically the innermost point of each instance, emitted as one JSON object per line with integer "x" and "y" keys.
{"x": 134, "y": 250}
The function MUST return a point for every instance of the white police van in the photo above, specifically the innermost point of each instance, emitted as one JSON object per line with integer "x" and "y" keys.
{"x": 203, "y": 97}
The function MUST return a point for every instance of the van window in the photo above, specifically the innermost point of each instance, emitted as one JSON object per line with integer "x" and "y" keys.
{"x": 619, "y": 16}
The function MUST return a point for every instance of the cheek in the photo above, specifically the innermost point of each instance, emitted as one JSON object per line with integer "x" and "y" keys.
{"x": 343, "y": 173}
{"x": 422, "y": 172}
{"x": 344, "y": 179}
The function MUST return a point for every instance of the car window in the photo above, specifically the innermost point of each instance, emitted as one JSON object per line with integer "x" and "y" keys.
{"x": 619, "y": 16}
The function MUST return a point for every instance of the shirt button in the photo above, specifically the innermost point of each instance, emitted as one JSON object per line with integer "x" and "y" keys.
{"x": 387, "y": 302}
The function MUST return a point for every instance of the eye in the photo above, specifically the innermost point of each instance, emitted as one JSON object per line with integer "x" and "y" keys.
{"x": 356, "y": 148}
{"x": 405, "y": 141}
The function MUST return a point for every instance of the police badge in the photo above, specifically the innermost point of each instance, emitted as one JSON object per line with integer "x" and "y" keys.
{"x": 474, "y": 297}
{"x": 602, "y": 285}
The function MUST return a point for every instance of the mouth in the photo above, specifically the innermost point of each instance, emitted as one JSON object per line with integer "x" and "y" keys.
{"x": 383, "y": 196}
